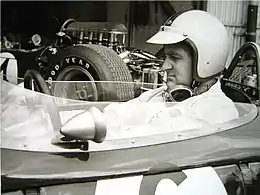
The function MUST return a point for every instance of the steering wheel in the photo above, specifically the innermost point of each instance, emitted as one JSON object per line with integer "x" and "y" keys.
{"x": 66, "y": 23}
{"x": 33, "y": 76}
{"x": 48, "y": 102}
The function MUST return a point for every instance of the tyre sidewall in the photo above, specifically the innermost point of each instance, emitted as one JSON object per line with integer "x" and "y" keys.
{"x": 91, "y": 61}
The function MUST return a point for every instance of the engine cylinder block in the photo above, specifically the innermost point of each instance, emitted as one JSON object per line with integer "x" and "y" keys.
{"x": 101, "y": 33}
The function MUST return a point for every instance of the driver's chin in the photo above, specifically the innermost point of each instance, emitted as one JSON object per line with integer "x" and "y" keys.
{"x": 171, "y": 85}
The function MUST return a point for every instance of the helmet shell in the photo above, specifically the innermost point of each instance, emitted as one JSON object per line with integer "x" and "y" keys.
{"x": 207, "y": 37}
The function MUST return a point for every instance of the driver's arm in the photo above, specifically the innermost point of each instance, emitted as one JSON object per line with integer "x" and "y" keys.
{"x": 146, "y": 119}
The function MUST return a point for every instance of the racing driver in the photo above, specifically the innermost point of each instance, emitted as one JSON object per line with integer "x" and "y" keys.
{"x": 196, "y": 46}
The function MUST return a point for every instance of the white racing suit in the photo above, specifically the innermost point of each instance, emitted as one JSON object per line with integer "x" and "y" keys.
{"x": 149, "y": 114}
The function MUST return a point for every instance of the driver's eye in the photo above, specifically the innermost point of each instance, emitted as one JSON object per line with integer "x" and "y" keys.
{"x": 173, "y": 57}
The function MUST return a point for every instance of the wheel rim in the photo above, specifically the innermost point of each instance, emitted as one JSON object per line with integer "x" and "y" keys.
{"x": 78, "y": 90}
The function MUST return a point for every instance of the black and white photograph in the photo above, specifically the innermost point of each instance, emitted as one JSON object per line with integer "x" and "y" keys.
{"x": 130, "y": 97}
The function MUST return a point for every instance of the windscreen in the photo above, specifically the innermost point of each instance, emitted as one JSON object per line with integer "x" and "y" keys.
{"x": 30, "y": 115}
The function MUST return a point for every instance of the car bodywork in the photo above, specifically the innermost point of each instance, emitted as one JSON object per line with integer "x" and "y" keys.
{"x": 37, "y": 157}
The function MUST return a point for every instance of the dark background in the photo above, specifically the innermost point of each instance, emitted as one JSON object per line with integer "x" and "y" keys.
{"x": 46, "y": 17}
{"x": 142, "y": 18}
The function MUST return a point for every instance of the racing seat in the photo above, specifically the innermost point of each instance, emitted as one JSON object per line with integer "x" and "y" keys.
{"x": 235, "y": 83}
{"x": 234, "y": 94}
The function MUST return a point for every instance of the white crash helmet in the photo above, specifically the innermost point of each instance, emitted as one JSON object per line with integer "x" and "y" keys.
{"x": 205, "y": 34}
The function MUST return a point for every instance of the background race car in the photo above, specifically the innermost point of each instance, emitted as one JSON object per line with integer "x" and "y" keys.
{"x": 93, "y": 51}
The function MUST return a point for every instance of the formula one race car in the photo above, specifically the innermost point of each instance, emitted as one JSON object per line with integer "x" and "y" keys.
{"x": 53, "y": 145}
{"x": 86, "y": 51}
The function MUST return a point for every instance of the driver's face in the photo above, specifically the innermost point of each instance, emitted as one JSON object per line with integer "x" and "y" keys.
{"x": 178, "y": 65}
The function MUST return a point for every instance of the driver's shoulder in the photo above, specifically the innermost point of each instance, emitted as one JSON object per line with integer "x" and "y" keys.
{"x": 214, "y": 103}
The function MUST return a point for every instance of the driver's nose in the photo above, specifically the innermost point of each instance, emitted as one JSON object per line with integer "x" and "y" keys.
{"x": 167, "y": 64}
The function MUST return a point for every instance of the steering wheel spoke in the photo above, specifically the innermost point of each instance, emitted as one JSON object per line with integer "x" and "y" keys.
{"x": 33, "y": 79}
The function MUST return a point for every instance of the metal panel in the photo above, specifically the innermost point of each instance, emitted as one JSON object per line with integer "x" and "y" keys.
{"x": 229, "y": 12}
{"x": 237, "y": 39}
{"x": 233, "y": 14}
{"x": 258, "y": 36}
{"x": 258, "y": 15}
{"x": 258, "y": 24}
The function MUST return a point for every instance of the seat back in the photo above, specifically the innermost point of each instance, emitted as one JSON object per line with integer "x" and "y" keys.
{"x": 235, "y": 95}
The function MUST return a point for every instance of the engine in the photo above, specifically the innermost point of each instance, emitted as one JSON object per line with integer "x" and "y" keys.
{"x": 111, "y": 35}
{"x": 143, "y": 66}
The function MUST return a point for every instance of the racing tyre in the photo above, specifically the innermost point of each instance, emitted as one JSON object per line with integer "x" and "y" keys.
{"x": 90, "y": 63}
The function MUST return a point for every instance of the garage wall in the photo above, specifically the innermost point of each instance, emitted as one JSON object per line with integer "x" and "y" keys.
{"x": 258, "y": 23}
{"x": 46, "y": 17}
{"x": 142, "y": 33}
{"x": 233, "y": 14}
{"x": 139, "y": 33}
{"x": 119, "y": 11}
{"x": 85, "y": 10}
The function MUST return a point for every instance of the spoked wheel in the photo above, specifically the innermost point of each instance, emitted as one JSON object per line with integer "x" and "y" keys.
{"x": 66, "y": 23}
